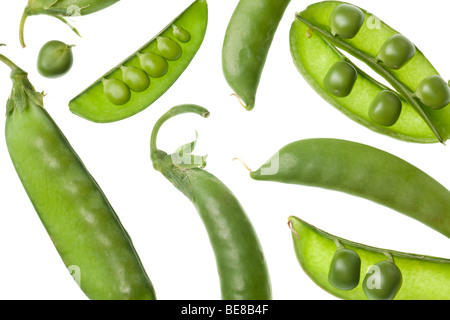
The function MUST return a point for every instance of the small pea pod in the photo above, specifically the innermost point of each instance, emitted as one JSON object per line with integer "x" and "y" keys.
{"x": 413, "y": 110}
{"x": 61, "y": 9}
{"x": 240, "y": 260}
{"x": 246, "y": 45}
{"x": 385, "y": 274}
{"x": 81, "y": 223}
{"x": 362, "y": 171}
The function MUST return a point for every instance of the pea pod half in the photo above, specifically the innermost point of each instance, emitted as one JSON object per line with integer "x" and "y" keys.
{"x": 362, "y": 171}
{"x": 246, "y": 45}
{"x": 384, "y": 273}
{"x": 240, "y": 260}
{"x": 415, "y": 110}
{"x": 61, "y": 9}
{"x": 153, "y": 69}
{"x": 73, "y": 209}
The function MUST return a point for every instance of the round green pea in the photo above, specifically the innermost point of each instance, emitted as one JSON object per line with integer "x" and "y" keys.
{"x": 382, "y": 281}
{"x": 396, "y": 51}
{"x": 346, "y": 21}
{"x": 434, "y": 92}
{"x": 135, "y": 78}
{"x": 116, "y": 91}
{"x": 155, "y": 65}
{"x": 385, "y": 108}
{"x": 345, "y": 270}
{"x": 55, "y": 59}
{"x": 169, "y": 48}
{"x": 181, "y": 34}
{"x": 340, "y": 79}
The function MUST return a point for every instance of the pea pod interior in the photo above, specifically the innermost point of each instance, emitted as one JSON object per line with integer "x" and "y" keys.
{"x": 424, "y": 277}
{"x": 313, "y": 50}
{"x": 92, "y": 104}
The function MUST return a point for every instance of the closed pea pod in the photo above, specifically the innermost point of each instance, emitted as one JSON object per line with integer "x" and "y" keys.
{"x": 246, "y": 45}
{"x": 164, "y": 58}
{"x": 81, "y": 223}
{"x": 240, "y": 260}
{"x": 390, "y": 274}
{"x": 61, "y": 9}
{"x": 362, "y": 171}
{"x": 314, "y": 49}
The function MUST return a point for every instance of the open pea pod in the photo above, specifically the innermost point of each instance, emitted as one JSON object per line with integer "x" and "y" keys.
{"x": 383, "y": 274}
{"x": 415, "y": 109}
{"x": 147, "y": 74}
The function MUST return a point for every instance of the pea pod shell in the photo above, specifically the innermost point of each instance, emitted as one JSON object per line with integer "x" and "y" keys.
{"x": 424, "y": 277}
{"x": 80, "y": 221}
{"x": 362, "y": 171}
{"x": 92, "y": 104}
{"x": 247, "y": 42}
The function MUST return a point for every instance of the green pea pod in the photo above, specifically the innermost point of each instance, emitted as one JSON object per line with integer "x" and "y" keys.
{"x": 315, "y": 38}
{"x": 421, "y": 277}
{"x": 73, "y": 209}
{"x": 247, "y": 42}
{"x": 362, "y": 171}
{"x": 61, "y": 9}
{"x": 240, "y": 260}
{"x": 164, "y": 58}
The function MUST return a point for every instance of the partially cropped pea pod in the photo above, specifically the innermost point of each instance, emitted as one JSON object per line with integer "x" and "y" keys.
{"x": 61, "y": 9}
{"x": 152, "y": 70}
{"x": 385, "y": 274}
{"x": 415, "y": 111}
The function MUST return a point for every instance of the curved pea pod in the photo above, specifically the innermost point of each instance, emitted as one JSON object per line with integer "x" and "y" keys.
{"x": 61, "y": 9}
{"x": 239, "y": 257}
{"x": 361, "y": 171}
{"x": 314, "y": 48}
{"x": 81, "y": 223}
{"x": 410, "y": 276}
{"x": 164, "y": 58}
{"x": 246, "y": 45}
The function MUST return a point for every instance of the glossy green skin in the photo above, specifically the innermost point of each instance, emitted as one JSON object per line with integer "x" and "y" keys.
{"x": 397, "y": 51}
{"x": 346, "y": 20}
{"x": 76, "y": 214}
{"x": 136, "y": 79}
{"x": 313, "y": 53}
{"x": 55, "y": 59}
{"x": 246, "y": 45}
{"x": 424, "y": 277}
{"x": 389, "y": 278}
{"x": 362, "y": 171}
{"x": 239, "y": 257}
{"x": 344, "y": 269}
{"x": 385, "y": 108}
{"x": 116, "y": 91}
{"x": 92, "y": 104}
{"x": 434, "y": 92}
{"x": 169, "y": 49}
{"x": 340, "y": 79}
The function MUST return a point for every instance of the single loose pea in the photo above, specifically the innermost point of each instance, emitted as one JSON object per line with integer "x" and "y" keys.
{"x": 135, "y": 78}
{"x": 116, "y": 91}
{"x": 169, "y": 48}
{"x": 340, "y": 79}
{"x": 155, "y": 65}
{"x": 396, "y": 51}
{"x": 346, "y": 21}
{"x": 434, "y": 92}
{"x": 385, "y": 108}
{"x": 382, "y": 281}
{"x": 344, "y": 270}
{"x": 55, "y": 59}
{"x": 181, "y": 34}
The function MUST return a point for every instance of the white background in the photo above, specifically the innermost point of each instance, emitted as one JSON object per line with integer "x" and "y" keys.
{"x": 165, "y": 228}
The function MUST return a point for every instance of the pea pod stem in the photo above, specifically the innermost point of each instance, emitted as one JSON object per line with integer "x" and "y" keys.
{"x": 373, "y": 63}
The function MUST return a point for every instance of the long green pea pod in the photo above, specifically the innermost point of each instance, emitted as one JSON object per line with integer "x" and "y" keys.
{"x": 240, "y": 260}
{"x": 83, "y": 226}
{"x": 61, "y": 9}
